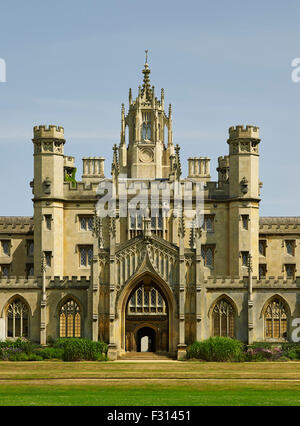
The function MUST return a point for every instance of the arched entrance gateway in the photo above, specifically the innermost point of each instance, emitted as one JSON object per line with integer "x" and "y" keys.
{"x": 146, "y": 316}
{"x": 146, "y": 319}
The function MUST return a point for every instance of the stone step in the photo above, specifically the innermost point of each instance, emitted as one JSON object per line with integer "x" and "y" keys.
{"x": 145, "y": 356}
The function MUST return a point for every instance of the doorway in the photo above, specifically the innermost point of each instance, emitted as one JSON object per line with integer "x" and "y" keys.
{"x": 145, "y": 340}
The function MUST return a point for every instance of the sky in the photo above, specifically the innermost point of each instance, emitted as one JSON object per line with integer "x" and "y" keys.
{"x": 221, "y": 63}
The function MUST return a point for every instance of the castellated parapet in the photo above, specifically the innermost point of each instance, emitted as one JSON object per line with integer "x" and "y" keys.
{"x": 50, "y": 132}
{"x": 241, "y": 132}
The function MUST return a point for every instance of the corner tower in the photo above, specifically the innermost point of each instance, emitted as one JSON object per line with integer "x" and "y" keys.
{"x": 147, "y": 152}
{"x": 244, "y": 198}
{"x": 48, "y": 183}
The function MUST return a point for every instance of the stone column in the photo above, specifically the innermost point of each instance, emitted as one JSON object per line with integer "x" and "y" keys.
{"x": 112, "y": 347}
{"x": 199, "y": 283}
{"x": 43, "y": 330}
{"x": 94, "y": 292}
{"x": 250, "y": 301}
{"x": 181, "y": 348}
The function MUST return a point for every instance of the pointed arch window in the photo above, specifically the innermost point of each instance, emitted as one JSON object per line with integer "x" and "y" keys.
{"x": 276, "y": 320}
{"x": 146, "y": 126}
{"x": 17, "y": 319}
{"x": 223, "y": 319}
{"x": 70, "y": 319}
{"x": 146, "y": 300}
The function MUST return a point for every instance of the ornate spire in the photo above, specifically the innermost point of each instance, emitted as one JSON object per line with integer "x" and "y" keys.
{"x": 146, "y": 89}
{"x": 115, "y": 163}
{"x": 123, "y": 125}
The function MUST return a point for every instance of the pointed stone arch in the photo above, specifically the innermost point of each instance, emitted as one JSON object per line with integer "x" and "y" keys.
{"x": 18, "y": 314}
{"x": 276, "y": 315}
{"x": 270, "y": 299}
{"x": 70, "y": 314}
{"x": 223, "y": 317}
{"x": 229, "y": 300}
{"x": 167, "y": 293}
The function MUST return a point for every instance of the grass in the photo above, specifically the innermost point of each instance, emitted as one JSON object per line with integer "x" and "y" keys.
{"x": 185, "y": 383}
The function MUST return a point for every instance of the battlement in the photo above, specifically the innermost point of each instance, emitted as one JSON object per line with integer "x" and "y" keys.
{"x": 16, "y": 225}
{"x": 225, "y": 282}
{"x": 74, "y": 280}
{"x": 281, "y": 225}
{"x": 52, "y": 131}
{"x": 223, "y": 161}
{"x": 69, "y": 161}
{"x": 20, "y": 282}
{"x": 30, "y": 282}
{"x": 238, "y": 282}
{"x": 241, "y": 132}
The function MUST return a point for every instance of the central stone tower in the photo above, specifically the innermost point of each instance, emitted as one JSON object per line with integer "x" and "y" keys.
{"x": 145, "y": 154}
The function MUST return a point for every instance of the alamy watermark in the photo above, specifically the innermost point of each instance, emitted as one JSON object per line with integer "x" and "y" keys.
{"x": 2, "y": 71}
{"x": 296, "y": 332}
{"x": 296, "y": 71}
{"x": 151, "y": 198}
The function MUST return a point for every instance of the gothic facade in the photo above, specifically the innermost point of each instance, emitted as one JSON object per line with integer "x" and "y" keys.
{"x": 154, "y": 279}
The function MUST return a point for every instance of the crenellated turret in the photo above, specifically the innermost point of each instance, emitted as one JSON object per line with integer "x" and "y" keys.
{"x": 49, "y": 174}
{"x": 223, "y": 169}
{"x": 244, "y": 197}
{"x": 243, "y": 161}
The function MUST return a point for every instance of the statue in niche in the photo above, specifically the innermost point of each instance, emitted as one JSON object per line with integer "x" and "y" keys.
{"x": 244, "y": 185}
{"x": 47, "y": 186}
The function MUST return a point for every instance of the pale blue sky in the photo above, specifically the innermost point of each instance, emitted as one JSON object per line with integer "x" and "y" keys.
{"x": 221, "y": 63}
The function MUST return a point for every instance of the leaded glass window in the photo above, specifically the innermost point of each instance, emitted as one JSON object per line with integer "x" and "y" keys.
{"x": 85, "y": 255}
{"x": 223, "y": 319}
{"x": 139, "y": 297}
{"x": 146, "y": 126}
{"x": 153, "y": 222}
{"x": 207, "y": 253}
{"x": 245, "y": 220}
{"x": 276, "y": 320}
{"x": 262, "y": 270}
{"x": 48, "y": 256}
{"x": 290, "y": 247}
{"x": 146, "y": 300}
{"x": 5, "y": 248}
{"x": 90, "y": 255}
{"x": 70, "y": 319}
{"x": 290, "y": 271}
{"x": 262, "y": 247}
{"x": 17, "y": 319}
{"x": 208, "y": 223}
{"x": 48, "y": 220}
{"x": 245, "y": 255}
{"x": 86, "y": 223}
{"x": 30, "y": 248}
{"x": 4, "y": 270}
{"x": 132, "y": 222}
{"x": 153, "y": 297}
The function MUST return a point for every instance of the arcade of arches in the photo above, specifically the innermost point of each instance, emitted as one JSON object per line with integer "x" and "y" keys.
{"x": 147, "y": 319}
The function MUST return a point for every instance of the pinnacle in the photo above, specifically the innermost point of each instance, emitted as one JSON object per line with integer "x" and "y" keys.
{"x": 146, "y": 89}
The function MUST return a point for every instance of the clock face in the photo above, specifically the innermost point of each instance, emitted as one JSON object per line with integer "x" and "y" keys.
{"x": 146, "y": 155}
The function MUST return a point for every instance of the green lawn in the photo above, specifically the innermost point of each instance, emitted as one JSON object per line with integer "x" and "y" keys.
{"x": 185, "y": 383}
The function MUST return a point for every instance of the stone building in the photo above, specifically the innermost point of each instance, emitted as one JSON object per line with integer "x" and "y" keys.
{"x": 151, "y": 280}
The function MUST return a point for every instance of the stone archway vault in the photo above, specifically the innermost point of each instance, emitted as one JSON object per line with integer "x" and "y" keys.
{"x": 122, "y": 303}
